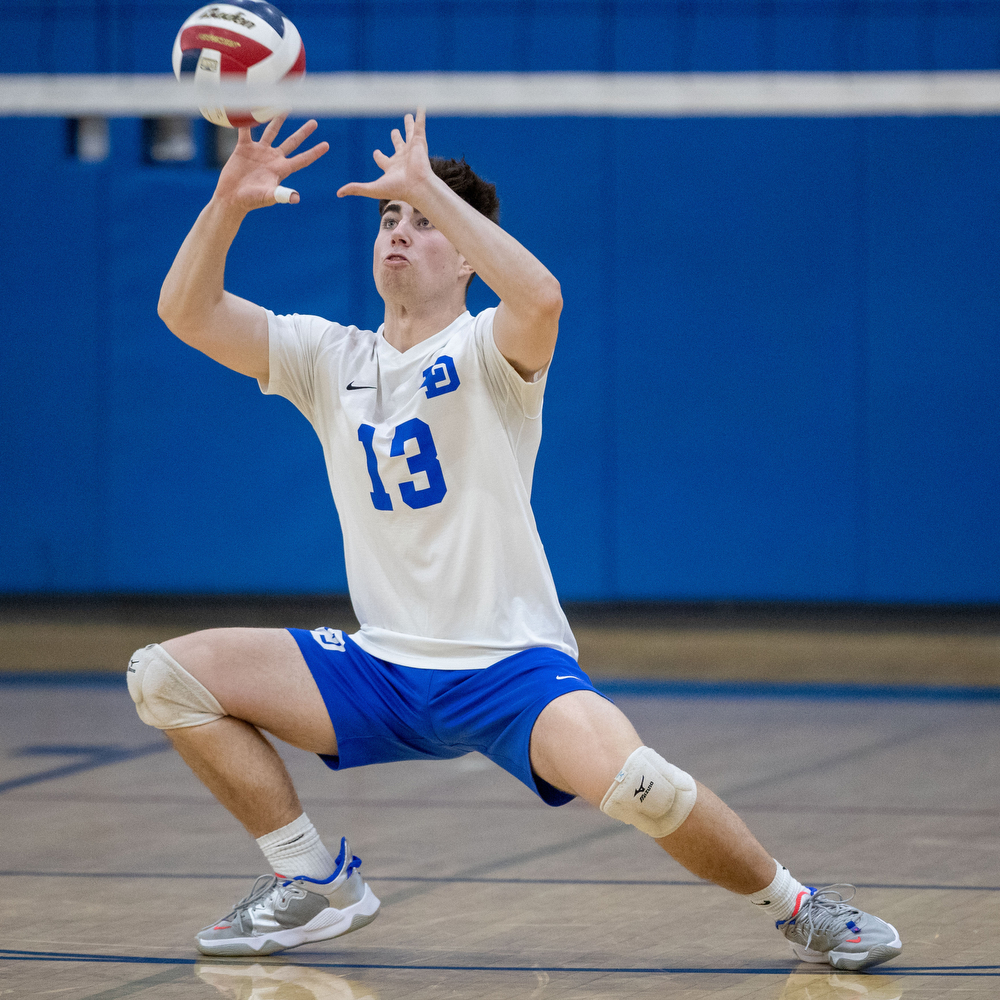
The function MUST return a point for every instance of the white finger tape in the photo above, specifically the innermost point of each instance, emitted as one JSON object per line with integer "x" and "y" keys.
{"x": 283, "y": 195}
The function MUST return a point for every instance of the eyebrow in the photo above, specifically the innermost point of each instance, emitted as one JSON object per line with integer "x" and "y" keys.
{"x": 393, "y": 207}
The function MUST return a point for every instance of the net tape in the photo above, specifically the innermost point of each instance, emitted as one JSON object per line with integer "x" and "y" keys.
{"x": 647, "y": 95}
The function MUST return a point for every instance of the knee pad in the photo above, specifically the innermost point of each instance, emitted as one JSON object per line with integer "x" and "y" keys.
{"x": 650, "y": 794}
{"x": 165, "y": 694}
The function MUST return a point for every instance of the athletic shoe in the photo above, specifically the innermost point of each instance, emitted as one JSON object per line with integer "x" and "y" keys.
{"x": 285, "y": 912}
{"x": 824, "y": 928}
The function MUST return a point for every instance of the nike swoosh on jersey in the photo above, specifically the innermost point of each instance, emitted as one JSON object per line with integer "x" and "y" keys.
{"x": 351, "y": 385}
{"x": 566, "y": 677}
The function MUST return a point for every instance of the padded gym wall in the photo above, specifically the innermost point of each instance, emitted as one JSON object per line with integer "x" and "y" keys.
{"x": 777, "y": 376}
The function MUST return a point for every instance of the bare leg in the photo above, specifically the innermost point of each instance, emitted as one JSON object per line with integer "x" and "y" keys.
{"x": 715, "y": 844}
{"x": 579, "y": 744}
{"x": 238, "y": 765}
{"x": 261, "y": 680}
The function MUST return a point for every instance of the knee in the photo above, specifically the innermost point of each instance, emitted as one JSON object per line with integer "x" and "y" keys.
{"x": 651, "y": 794}
{"x": 165, "y": 694}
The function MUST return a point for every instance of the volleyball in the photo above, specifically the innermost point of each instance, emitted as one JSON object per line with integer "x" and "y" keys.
{"x": 246, "y": 40}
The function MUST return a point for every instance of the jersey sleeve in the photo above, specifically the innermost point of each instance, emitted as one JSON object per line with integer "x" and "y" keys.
{"x": 293, "y": 346}
{"x": 507, "y": 387}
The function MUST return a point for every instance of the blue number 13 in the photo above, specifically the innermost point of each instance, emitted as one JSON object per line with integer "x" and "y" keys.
{"x": 425, "y": 460}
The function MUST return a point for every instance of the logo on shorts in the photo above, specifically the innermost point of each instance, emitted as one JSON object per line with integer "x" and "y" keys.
{"x": 643, "y": 788}
{"x": 330, "y": 638}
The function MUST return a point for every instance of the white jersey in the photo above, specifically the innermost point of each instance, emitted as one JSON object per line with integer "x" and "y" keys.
{"x": 430, "y": 455}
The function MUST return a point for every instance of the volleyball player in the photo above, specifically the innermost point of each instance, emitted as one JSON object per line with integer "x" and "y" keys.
{"x": 430, "y": 426}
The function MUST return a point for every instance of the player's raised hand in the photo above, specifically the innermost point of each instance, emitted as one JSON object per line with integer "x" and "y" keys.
{"x": 253, "y": 174}
{"x": 406, "y": 172}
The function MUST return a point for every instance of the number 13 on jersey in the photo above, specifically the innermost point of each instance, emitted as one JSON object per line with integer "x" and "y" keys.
{"x": 425, "y": 460}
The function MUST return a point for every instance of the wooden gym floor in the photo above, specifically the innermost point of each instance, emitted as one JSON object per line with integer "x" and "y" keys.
{"x": 859, "y": 745}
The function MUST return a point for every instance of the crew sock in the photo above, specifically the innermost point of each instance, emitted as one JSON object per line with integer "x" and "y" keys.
{"x": 295, "y": 850}
{"x": 782, "y": 897}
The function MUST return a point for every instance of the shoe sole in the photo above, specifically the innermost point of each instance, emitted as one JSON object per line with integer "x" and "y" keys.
{"x": 847, "y": 961}
{"x": 327, "y": 924}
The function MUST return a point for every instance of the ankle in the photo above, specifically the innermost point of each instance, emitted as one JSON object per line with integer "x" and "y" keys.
{"x": 782, "y": 896}
{"x": 295, "y": 850}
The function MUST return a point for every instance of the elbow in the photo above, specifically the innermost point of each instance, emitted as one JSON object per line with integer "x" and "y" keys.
{"x": 169, "y": 310}
{"x": 550, "y": 301}
{"x": 164, "y": 311}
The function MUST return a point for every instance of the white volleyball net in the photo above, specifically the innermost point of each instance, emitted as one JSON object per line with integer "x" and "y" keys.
{"x": 170, "y": 107}
{"x": 652, "y": 95}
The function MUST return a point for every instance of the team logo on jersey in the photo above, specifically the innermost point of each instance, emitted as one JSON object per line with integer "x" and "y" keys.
{"x": 441, "y": 377}
{"x": 330, "y": 638}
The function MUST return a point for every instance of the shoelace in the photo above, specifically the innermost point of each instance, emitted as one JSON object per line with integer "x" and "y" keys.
{"x": 265, "y": 885}
{"x": 825, "y": 910}
{"x": 262, "y": 887}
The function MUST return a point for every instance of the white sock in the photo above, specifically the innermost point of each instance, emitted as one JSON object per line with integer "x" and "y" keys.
{"x": 782, "y": 897}
{"x": 296, "y": 850}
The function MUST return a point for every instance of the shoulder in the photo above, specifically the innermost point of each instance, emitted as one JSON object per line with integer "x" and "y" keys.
{"x": 484, "y": 320}
{"x": 315, "y": 330}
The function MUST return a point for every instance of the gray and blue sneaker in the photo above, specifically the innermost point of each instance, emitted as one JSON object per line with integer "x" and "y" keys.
{"x": 824, "y": 928}
{"x": 284, "y": 912}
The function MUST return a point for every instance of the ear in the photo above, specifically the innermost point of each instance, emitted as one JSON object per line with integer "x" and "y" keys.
{"x": 465, "y": 269}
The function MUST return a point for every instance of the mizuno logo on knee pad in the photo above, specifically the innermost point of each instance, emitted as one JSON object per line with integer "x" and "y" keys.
{"x": 651, "y": 794}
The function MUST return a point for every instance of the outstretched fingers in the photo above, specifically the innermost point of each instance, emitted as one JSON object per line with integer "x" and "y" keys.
{"x": 394, "y": 181}
{"x": 270, "y": 133}
{"x": 311, "y": 155}
{"x": 363, "y": 188}
{"x": 298, "y": 136}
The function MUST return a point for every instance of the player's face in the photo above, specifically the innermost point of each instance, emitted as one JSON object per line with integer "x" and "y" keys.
{"x": 413, "y": 260}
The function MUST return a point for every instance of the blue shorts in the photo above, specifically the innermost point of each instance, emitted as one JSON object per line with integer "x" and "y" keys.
{"x": 382, "y": 711}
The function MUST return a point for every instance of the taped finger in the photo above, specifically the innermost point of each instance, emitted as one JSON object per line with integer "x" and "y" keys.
{"x": 283, "y": 195}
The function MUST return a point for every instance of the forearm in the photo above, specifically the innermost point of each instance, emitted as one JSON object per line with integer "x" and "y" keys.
{"x": 195, "y": 305}
{"x": 521, "y": 280}
{"x": 194, "y": 286}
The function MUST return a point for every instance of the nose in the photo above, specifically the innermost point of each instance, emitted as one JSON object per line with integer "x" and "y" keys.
{"x": 401, "y": 233}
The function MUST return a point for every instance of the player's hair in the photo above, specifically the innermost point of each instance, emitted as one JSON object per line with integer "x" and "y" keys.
{"x": 468, "y": 185}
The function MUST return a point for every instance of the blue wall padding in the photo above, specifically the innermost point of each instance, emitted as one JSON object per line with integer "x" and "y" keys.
{"x": 777, "y": 376}
{"x": 90, "y": 36}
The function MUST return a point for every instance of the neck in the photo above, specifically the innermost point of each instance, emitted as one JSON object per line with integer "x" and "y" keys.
{"x": 405, "y": 327}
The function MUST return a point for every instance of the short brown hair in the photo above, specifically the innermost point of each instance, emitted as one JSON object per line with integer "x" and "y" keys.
{"x": 463, "y": 180}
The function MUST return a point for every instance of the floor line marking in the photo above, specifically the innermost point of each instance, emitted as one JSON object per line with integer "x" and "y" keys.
{"x": 96, "y": 757}
{"x": 516, "y": 859}
{"x": 618, "y": 686}
{"x": 483, "y": 880}
{"x": 531, "y": 805}
{"x": 169, "y": 975}
{"x": 809, "y": 692}
{"x": 729, "y": 792}
{"x": 943, "y": 971}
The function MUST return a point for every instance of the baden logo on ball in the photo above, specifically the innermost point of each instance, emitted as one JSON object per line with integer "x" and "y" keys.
{"x": 243, "y": 41}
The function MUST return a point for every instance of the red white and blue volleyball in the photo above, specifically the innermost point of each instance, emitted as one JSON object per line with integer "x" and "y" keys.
{"x": 244, "y": 41}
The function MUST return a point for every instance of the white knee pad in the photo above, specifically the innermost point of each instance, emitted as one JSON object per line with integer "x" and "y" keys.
{"x": 165, "y": 694}
{"x": 651, "y": 794}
